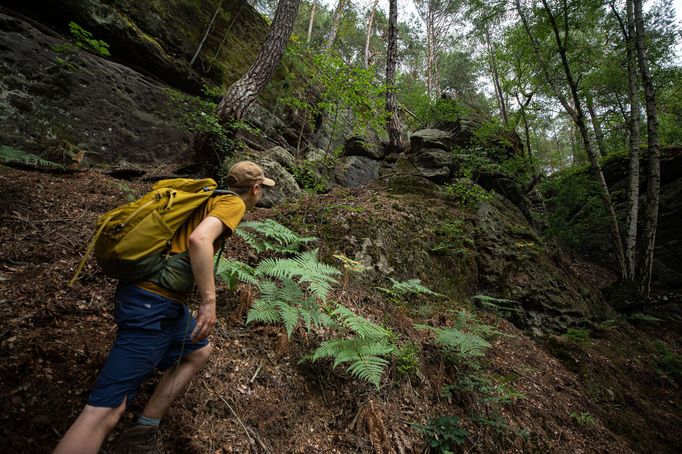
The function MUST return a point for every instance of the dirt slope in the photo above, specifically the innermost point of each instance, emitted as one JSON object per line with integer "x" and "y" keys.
{"x": 253, "y": 396}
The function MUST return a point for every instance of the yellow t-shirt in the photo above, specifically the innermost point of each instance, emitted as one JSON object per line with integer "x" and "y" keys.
{"x": 229, "y": 209}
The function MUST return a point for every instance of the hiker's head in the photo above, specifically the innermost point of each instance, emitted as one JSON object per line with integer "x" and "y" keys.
{"x": 247, "y": 179}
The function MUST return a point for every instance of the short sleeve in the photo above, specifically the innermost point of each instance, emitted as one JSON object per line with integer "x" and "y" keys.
{"x": 229, "y": 209}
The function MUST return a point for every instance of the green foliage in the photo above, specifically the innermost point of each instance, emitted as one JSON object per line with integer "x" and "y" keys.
{"x": 10, "y": 155}
{"x": 669, "y": 362}
{"x": 286, "y": 302}
{"x": 451, "y": 238}
{"x": 233, "y": 271}
{"x": 466, "y": 192}
{"x": 443, "y": 433}
{"x": 495, "y": 422}
{"x": 83, "y": 40}
{"x": 640, "y": 317}
{"x": 501, "y": 306}
{"x": 308, "y": 177}
{"x": 584, "y": 419}
{"x": 86, "y": 41}
{"x": 579, "y": 336}
{"x": 399, "y": 290}
{"x": 364, "y": 351}
{"x": 574, "y": 206}
{"x": 198, "y": 115}
{"x": 460, "y": 344}
{"x": 269, "y": 235}
{"x": 484, "y": 388}
{"x": 305, "y": 268}
{"x": 407, "y": 359}
{"x": 322, "y": 84}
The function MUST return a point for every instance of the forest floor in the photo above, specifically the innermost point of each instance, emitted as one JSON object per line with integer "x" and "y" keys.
{"x": 254, "y": 396}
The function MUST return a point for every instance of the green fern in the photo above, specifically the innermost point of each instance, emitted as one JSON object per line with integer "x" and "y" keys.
{"x": 269, "y": 235}
{"x": 359, "y": 325}
{"x": 286, "y": 303}
{"x": 463, "y": 345}
{"x": 233, "y": 271}
{"x": 306, "y": 268}
{"x": 9, "y": 155}
{"x": 411, "y": 286}
{"x": 364, "y": 351}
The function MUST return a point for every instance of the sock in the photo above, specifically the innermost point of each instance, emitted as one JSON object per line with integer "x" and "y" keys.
{"x": 144, "y": 421}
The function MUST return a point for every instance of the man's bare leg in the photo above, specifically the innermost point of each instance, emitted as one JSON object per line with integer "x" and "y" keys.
{"x": 174, "y": 382}
{"x": 87, "y": 433}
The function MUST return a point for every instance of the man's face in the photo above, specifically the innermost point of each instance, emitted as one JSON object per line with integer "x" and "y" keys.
{"x": 255, "y": 196}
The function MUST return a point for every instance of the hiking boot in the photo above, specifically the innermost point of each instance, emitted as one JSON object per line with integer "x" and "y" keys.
{"x": 141, "y": 440}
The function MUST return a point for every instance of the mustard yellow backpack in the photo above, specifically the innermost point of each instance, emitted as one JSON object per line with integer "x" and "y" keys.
{"x": 131, "y": 241}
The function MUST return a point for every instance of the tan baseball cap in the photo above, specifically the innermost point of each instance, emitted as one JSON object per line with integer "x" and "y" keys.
{"x": 245, "y": 174}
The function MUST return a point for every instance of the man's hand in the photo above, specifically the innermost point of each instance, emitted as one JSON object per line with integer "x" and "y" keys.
{"x": 205, "y": 321}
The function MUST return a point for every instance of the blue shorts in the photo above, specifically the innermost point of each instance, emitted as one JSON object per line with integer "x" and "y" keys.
{"x": 153, "y": 332}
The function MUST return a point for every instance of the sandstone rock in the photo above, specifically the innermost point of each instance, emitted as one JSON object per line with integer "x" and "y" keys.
{"x": 355, "y": 171}
{"x": 430, "y": 138}
{"x": 357, "y": 146}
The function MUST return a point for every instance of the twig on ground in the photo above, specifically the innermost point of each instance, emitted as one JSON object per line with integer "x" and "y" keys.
{"x": 246, "y": 431}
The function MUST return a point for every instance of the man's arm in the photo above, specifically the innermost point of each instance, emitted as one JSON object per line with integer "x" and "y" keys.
{"x": 201, "y": 257}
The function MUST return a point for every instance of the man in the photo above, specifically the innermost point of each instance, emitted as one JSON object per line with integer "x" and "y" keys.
{"x": 155, "y": 328}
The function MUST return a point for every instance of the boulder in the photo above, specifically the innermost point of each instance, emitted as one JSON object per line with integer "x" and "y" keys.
{"x": 281, "y": 156}
{"x": 430, "y": 138}
{"x": 434, "y": 164}
{"x": 357, "y": 146}
{"x": 353, "y": 171}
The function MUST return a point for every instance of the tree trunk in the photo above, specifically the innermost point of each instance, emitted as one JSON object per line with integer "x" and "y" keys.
{"x": 654, "y": 177}
{"x": 312, "y": 19}
{"x": 331, "y": 36}
{"x": 244, "y": 92}
{"x": 496, "y": 78}
{"x": 578, "y": 117}
{"x": 370, "y": 21}
{"x": 429, "y": 51}
{"x": 208, "y": 30}
{"x": 393, "y": 126}
{"x": 634, "y": 144}
{"x": 596, "y": 125}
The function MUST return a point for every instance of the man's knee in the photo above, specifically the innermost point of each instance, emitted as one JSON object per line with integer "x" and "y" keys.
{"x": 199, "y": 357}
{"x": 105, "y": 416}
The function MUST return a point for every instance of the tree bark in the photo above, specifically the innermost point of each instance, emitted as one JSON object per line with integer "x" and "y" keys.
{"x": 596, "y": 125}
{"x": 654, "y": 177}
{"x": 312, "y": 20}
{"x": 393, "y": 127}
{"x": 578, "y": 117}
{"x": 370, "y": 21}
{"x": 331, "y": 36}
{"x": 632, "y": 120}
{"x": 244, "y": 91}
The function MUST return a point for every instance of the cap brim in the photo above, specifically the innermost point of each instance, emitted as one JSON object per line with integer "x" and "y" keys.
{"x": 268, "y": 182}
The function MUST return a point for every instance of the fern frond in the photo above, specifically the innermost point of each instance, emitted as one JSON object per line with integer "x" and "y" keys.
{"x": 9, "y": 155}
{"x": 462, "y": 344}
{"x": 232, "y": 271}
{"x": 359, "y": 325}
{"x": 263, "y": 311}
{"x": 362, "y": 354}
{"x": 269, "y": 235}
{"x": 289, "y": 316}
{"x": 411, "y": 286}
{"x": 305, "y": 267}
{"x": 369, "y": 368}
